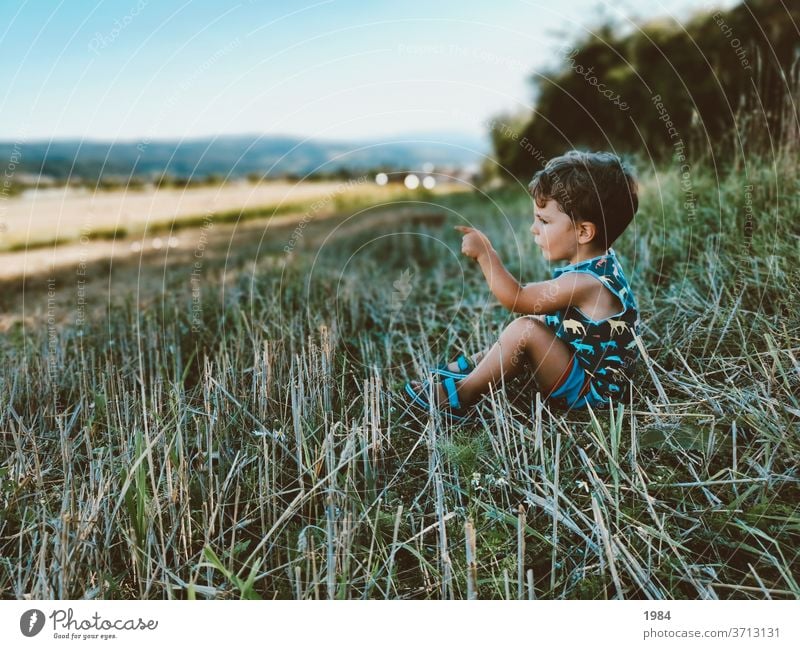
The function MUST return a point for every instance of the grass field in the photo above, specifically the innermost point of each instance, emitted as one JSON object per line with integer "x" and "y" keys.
{"x": 237, "y": 437}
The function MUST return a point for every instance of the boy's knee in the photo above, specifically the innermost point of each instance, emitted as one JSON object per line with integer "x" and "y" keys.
{"x": 538, "y": 318}
{"x": 530, "y": 321}
{"x": 525, "y": 326}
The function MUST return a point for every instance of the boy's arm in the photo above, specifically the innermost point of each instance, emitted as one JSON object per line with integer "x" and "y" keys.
{"x": 535, "y": 298}
{"x": 501, "y": 283}
{"x": 539, "y": 297}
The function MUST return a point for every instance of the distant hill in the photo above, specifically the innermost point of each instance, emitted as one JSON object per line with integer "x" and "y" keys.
{"x": 239, "y": 155}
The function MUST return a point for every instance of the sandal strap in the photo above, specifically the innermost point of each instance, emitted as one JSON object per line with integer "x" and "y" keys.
{"x": 416, "y": 397}
{"x": 449, "y": 384}
{"x": 438, "y": 371}
{"x": 464, "y": 368}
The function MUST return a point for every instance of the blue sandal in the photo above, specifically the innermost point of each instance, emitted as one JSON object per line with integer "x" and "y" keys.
{"x": 465, "y": 366}
{"x": 456, "y": 412}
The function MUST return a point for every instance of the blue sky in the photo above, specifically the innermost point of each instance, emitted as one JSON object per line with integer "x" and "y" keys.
{"x": 336, "y": 69}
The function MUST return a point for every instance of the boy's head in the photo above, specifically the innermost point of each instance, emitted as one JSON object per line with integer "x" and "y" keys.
{"x": 595, "y": 188}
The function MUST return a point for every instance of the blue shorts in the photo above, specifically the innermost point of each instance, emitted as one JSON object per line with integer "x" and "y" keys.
{"x": 576, "y": 391}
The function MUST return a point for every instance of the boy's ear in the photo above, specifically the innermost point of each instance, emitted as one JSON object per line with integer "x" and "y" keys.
{"x": 587, "y": 231}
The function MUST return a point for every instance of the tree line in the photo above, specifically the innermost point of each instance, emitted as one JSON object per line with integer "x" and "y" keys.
{"x": 720, "y": 85}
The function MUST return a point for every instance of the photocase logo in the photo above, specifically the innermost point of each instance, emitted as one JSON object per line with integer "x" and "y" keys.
{"x": 402, "y": 290}
{"x": 31, "y": 622}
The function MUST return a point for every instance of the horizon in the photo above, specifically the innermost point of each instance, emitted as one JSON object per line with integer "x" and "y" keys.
{"x": 411, "y": 137}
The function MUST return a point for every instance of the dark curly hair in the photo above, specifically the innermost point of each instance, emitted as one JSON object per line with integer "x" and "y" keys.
{"x": 597, "y": 187}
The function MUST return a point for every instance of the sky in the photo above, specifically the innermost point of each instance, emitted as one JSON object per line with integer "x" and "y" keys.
{"x": 332, "y": 69}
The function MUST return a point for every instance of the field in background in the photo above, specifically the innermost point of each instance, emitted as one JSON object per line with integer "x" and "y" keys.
{"x": 72, "y": 279}
{"x": 62, "y": 215}
{"x": 242, "y": 440}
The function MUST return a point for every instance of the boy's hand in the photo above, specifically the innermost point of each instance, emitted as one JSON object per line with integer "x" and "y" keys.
{"x": 475, "y": 243}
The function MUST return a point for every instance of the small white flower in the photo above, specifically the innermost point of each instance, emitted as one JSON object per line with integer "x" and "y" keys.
{"x": 277, "y": 434}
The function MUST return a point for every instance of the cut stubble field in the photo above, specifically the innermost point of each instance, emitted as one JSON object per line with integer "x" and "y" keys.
{"x": 255, "y": 448}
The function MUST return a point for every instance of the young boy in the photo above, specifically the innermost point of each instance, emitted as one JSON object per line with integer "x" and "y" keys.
{"x": 577, "y": 334}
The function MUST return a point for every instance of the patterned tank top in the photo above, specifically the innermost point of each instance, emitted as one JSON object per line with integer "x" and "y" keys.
{"x": 606, "y": 349}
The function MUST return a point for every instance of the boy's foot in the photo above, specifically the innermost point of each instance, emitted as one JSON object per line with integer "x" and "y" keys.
{"x": 463, "y": 365}
{"x": 456, "y": 367}
{"x": 439, "y": 394}
{"x": 445, "y": 398}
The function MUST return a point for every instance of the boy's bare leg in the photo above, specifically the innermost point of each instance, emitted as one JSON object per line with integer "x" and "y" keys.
{"x": 526, "y": 343}
{"x": 478, "y": 357}
{"x": 474, "y": 359}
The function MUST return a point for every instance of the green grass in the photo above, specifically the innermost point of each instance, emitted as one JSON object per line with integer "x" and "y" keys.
{"x": 261, "y": 456}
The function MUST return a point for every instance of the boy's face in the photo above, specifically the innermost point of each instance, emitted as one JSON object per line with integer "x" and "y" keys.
{"x": 554, "y": 232}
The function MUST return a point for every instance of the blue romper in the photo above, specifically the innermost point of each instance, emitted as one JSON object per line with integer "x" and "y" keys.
{"x": 605, "y": 350}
